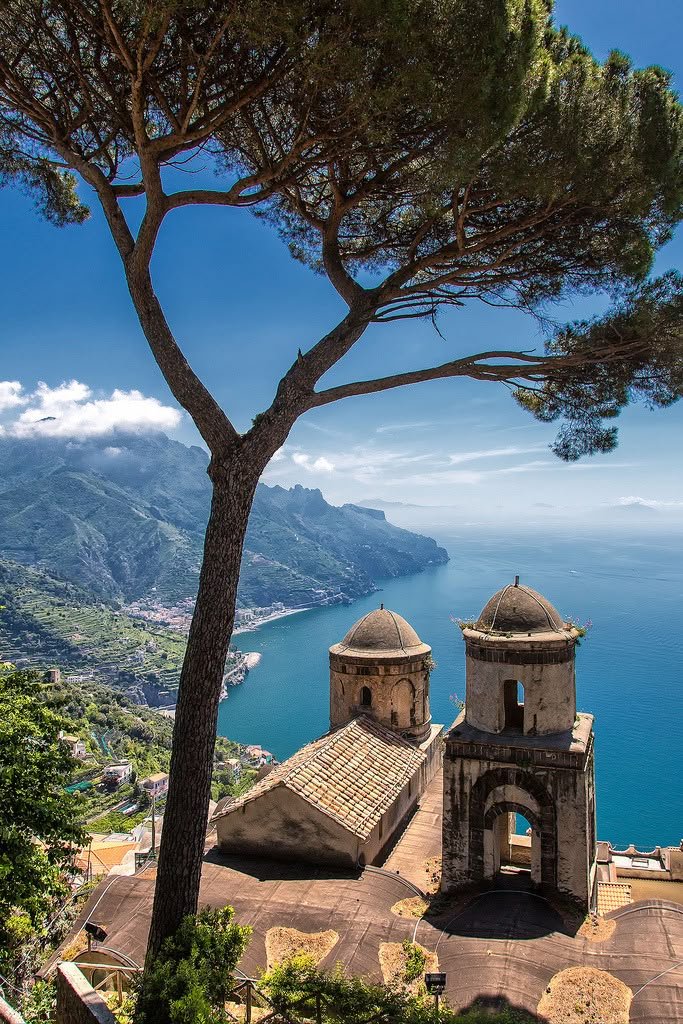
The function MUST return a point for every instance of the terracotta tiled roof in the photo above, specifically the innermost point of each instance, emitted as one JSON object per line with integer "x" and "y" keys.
{"x": 612, "y": 895}
{"x": 352, "y": 774}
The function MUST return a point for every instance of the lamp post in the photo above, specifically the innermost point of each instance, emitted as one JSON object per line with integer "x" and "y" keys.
{"x": 436, "y": 983}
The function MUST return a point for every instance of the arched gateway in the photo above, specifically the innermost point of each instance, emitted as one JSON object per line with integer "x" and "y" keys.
{"x": 531, "y": 757}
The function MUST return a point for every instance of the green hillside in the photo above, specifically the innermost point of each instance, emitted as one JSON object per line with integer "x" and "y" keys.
{"x": 46, "y": 621}
{"x": 124, "y": 518}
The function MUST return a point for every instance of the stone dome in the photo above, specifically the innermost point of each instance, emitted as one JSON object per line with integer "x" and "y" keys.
{"x": 518, "y": 609}
{"x": 383, "y": 632}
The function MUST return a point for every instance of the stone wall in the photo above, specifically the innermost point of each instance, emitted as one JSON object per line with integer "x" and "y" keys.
{"x": 544, "y": 668}
{"x": 77, "y": 1001}
{"x": 9, "y": 1015}
{"x": 559, "y": 804}
{"x": 395, "y": 692}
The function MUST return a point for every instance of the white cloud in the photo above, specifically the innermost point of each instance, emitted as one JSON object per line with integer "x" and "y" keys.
{"x": 320, "y": 465}
{"x": 11, "y": 395}
{"x": 392, "y": 428}
{"x": 646, "y": 502}
{"x": 70, "y": 410}
{"x": 491, "y": 453}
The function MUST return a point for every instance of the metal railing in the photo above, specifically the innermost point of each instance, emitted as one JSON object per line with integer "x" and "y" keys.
{"x": 246, "y": 1001}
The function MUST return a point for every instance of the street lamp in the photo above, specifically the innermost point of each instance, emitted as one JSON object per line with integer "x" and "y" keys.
{"x": 435, "y": 983}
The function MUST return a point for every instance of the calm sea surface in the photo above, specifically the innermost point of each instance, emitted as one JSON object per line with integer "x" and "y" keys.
{"x": 629, "y": 667}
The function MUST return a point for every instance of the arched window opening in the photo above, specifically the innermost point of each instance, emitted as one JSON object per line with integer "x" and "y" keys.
{"x": 366, "y": 697}
{"x": 513, "y": 704}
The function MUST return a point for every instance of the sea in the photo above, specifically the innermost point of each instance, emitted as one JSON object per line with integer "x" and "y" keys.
{"x": 629, "y": 666}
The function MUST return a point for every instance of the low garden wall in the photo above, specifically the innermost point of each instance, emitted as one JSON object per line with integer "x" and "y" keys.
{"x": 8, "y": 1015}
{"x": 77, "y": 1000}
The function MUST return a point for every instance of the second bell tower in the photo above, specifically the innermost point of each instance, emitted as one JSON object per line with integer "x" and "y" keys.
{"x": 520, "y": 747}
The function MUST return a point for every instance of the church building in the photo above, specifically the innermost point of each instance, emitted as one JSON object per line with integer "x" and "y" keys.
{"x": 519, "y": 747}
{"x": 341, "y": 799}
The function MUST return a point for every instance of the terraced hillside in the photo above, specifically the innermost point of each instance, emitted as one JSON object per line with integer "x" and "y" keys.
{"x": 47, "y": 621}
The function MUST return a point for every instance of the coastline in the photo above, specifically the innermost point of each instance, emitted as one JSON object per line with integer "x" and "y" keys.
{"x": 249, "y": 627}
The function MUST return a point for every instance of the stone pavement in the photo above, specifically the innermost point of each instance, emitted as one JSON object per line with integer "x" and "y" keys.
{"x": 503, "y": 946}
{"x": 419, "y": 845}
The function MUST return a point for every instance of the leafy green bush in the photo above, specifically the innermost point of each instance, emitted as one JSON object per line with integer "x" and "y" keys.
{"x": 190, "y": 979}
{"x": 416, "y": 960}
{"x": 294, "y": 987}
{"x": 38, "y": 826}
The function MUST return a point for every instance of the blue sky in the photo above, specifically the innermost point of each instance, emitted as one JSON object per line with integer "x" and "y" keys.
{"x": 241, "y": 307}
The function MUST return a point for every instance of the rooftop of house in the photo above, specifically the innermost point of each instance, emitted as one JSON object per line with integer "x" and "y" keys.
{"x": 352, "y": 774}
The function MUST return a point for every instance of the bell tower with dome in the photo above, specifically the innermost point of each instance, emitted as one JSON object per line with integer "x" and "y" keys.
{"x": 381, "y": 669}
{"x": 519, "y": 747}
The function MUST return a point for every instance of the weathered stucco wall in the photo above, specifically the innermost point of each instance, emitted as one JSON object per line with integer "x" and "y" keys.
{"x": 559, "y": 804}
{"x": 398, "y": 691}
{"x": 544, "y": 668}
{"x": 77, "y": 1001}
{"x": 281, "y": 824}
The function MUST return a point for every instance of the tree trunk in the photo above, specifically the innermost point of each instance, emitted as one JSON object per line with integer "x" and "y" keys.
{"x": 194, "y": 734}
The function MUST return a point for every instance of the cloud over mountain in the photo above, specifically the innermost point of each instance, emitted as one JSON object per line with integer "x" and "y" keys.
{"x": 72, "y": 410}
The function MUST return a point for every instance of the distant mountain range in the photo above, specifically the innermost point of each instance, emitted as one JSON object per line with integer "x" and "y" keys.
{"x": 124, "y": 517}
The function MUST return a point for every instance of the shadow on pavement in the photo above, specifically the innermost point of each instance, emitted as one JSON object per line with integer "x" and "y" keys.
{"x": 267, "y": 870}
{"x": 500, "y": 914}
{"x": 480, "y": 1010}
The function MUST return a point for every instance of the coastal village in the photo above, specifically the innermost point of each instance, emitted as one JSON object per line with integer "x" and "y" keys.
{"x": 391, "y": 829}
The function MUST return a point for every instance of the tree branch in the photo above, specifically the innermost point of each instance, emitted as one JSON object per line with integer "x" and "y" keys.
{"x": 529, "y": 367}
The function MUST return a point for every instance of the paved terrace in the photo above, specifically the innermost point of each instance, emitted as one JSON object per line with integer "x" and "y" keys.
{"x": 502, "y": 945}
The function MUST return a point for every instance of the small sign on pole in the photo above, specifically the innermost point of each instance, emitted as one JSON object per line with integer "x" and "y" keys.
{"x": 436, "y": 983}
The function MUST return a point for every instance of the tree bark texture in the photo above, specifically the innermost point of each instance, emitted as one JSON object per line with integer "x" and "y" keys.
{"x": 185, "y": 818}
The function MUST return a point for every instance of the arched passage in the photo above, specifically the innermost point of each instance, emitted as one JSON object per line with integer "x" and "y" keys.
{"x": 497, "y": 794}
{"x": 500, "y": 851}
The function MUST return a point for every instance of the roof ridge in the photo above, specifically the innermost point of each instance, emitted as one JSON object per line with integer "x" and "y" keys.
{"x": 396, "y": 627}
{"x": 532, "y": 594}
{"x": 501, "y": 595}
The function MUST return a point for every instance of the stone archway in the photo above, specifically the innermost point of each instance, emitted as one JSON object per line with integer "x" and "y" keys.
{"x": 403, "y": 704}
{"x": 539, "y": 810}
{"x": 492, "y": 838}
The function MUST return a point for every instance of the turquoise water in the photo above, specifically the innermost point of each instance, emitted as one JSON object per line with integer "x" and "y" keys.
{"x": 629, "y": 667}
